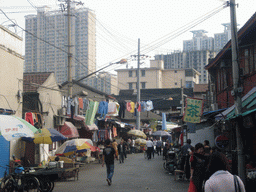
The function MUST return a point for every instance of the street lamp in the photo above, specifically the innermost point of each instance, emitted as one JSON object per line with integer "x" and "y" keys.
{"x": 122, "y": 61}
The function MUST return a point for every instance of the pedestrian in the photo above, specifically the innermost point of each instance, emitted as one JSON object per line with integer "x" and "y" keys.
{"x": 150, "y": 146}
{"x": 165, "y": 150}
{"x": 207, "y": 148}
{"x": 133, "y": 146}
{"x": 109, "y": 155}
{"x": 185, "y": 149}
{"x": 121, "y": 151}
{"x": 125, "y": 148}
{"x": 154, "y": 147}
{"x": 198, "y": 169}
{"x": 159, "y": 144}
{"x": 114, "y": 145}
{"x": 129, "y": 146}
{"x": 221, "y": 180}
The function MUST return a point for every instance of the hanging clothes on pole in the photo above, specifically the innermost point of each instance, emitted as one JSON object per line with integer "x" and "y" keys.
{"x": 143, "y": 106}
{"x": 103, "y": 108}
{"x": 132, "y": 107}
{"x": 69, "y": 106}
{"x": 122, "y": 109}
{"x": 113, "y": 109}
{"x": 149, "y": 105}
{"x": 91, "y": 112}
{"x": 128, "y": 106}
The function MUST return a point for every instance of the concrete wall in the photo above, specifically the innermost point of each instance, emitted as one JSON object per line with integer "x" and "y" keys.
{"x": 172, "y": 78}
{"x": 152, "y": 78}
{"x": 11, "y": 75}
{"x": 51, "y": 102}
{"x": 201, "y": 135}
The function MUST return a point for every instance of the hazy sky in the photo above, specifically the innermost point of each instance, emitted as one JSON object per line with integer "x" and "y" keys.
{"x": 121, "y": 22}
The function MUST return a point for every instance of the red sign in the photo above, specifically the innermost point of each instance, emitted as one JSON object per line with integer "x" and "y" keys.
{"x": 221, "y": 141}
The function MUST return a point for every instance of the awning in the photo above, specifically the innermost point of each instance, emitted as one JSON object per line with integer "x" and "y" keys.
{"x": 92, "y": 127}
{"x": 77, "y": 117}
{"x": 248, "y": 103}
{"x": 69, "y": 130}
{"x": 242, "y": 114}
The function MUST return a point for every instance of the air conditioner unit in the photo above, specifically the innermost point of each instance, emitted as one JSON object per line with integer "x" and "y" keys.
{"x": 62, "y": 111}
{"x": 59, "y": 121}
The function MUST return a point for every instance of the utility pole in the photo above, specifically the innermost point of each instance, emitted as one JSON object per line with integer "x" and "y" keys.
{"x": 182, "y": 98}
{"x": 237, "y": 89}
{"x": 138, "y": 83}
{"x": 138, "y": 88}
{"x": 69, "y": 51}
{"x": 69, "y": 15}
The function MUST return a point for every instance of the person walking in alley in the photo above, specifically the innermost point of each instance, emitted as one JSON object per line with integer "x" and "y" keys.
{"x": 221, "y": 180}
{"x": 198, "y": 169}
{"x": 114, "y": 145}
{"x": 150, "y": 146}
{"x": 159, "y": 144}
{"x": 185, "y": 149}
{"x": 121, "y": 151}
{"x": 109, "y": 155}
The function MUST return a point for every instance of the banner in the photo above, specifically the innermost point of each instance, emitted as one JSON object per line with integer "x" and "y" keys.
{"x": 193, "y": 110}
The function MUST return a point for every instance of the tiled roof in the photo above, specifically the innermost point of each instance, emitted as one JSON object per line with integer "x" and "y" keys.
{"x": 36, "y": 78}
{"x": 200, "y": 88}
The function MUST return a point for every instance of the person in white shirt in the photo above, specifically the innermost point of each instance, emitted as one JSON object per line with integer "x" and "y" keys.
{"x": 150, "y": 146}
{"x": 221, "y": 180}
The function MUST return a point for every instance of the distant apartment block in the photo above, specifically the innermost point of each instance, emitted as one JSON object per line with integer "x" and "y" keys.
{"x": 220, "y": 39}
{"x": 199, "y": 42}
{"x": 105, "y": 82}
{"x": 196, "y": 52}
{"x": 51, "y": 26}
{"x": 157, "y": 77}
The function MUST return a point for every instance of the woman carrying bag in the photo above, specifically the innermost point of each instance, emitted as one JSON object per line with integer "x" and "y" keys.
{"x": 221, "y": 180}
{"x": 198, "y": 167}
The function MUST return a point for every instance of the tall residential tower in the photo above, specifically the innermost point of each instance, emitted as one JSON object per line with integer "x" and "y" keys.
{"x": 50, "y": 28}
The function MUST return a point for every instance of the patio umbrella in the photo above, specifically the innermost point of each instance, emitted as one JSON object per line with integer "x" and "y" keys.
{"x": 71, "y": 146}
{"x": 161, "y": 133}
{"x": 137, "y": 133}
{"x": 92, "y": 148}
{"x": 140, "y": 141}
{"x": 13, "y": 128}
{"x": 47, "y": 136}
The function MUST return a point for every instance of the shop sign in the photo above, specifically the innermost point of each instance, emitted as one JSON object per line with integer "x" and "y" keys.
{"x": 193, "y": 110}
{"x": 221, "y": 141}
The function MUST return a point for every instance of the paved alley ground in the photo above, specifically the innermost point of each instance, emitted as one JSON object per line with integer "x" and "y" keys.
{"x": 135, "y": 174}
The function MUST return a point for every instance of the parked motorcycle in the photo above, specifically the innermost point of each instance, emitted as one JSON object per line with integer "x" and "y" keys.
{"x": 170, "y": 163}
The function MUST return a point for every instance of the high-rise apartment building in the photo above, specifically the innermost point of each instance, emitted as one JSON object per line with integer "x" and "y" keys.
{"x": 105, "y": 82}
{"x": 199, "y": 42}
{"x": 220, "y": 39}
{"x": 51, "y": 26}
{"x": 197, "y": 52}
{"x": 174, "y": 60}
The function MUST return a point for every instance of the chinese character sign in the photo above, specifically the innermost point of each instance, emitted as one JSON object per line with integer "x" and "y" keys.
{"x": 193, "y": 110}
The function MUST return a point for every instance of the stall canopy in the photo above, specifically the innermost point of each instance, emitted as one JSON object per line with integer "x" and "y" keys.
{"x": 248, "y": 106}
{"x": 92, "y": 127}
{"x": 69, "y": 130}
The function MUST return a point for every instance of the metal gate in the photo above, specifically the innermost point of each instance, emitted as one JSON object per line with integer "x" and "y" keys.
{"x": 5, "y": 154}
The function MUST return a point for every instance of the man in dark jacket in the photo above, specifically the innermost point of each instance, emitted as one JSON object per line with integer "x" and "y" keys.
{"x": 185, "y": 149}
{"x": 109, "y": 154}
{"x": 121, "y": 151}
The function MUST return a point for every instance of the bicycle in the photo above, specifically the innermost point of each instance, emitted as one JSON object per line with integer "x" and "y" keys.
{"x": 19, "y": 181}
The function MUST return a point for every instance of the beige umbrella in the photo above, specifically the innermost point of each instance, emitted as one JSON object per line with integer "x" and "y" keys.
{"x": 140, "y": 141}
{"x": 137, "y": 133}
